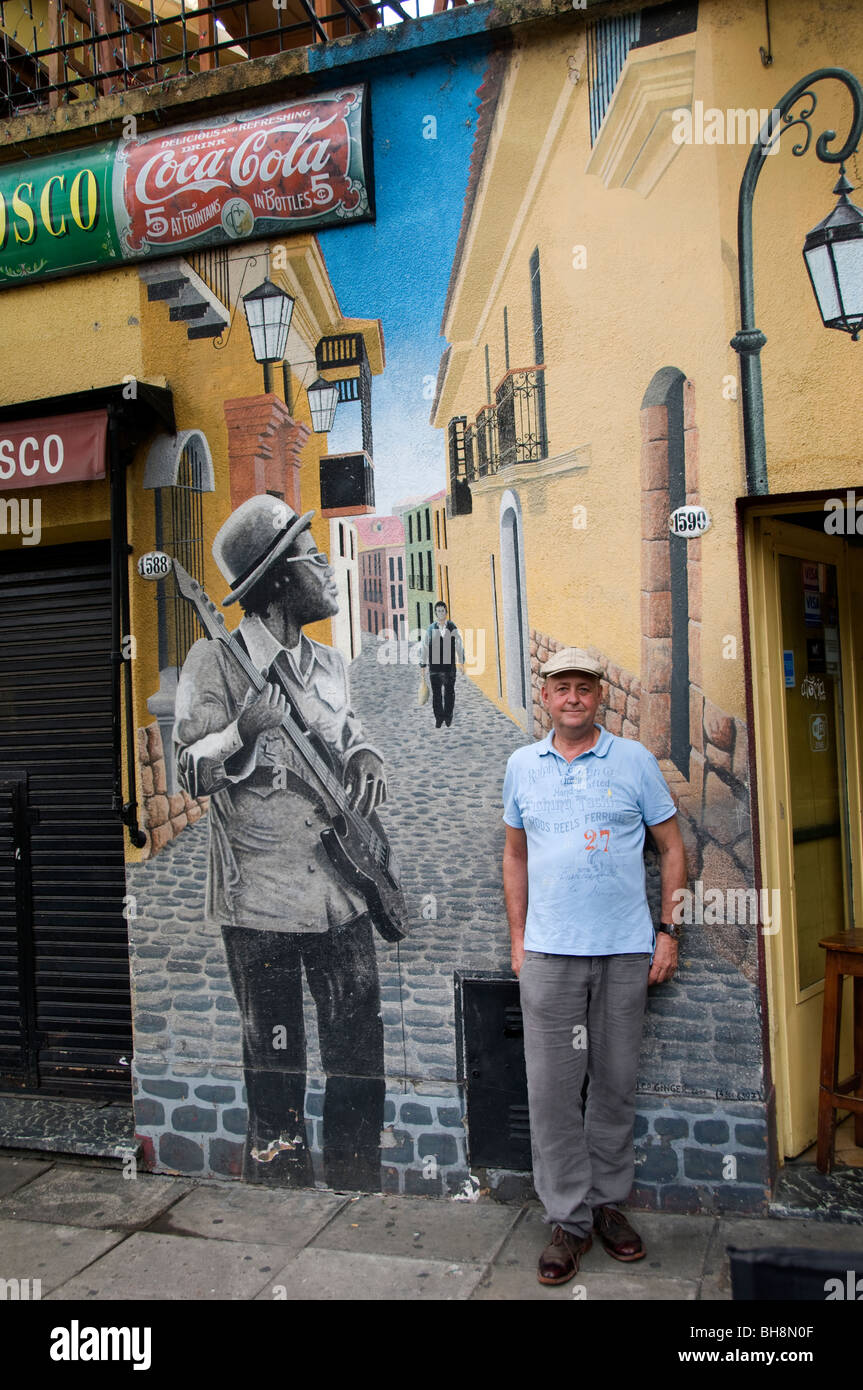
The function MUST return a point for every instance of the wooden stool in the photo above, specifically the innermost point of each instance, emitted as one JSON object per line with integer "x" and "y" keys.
{"x": 844, "y": 957}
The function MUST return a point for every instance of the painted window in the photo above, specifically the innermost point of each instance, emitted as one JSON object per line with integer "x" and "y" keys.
{"x": 180, "y": 531}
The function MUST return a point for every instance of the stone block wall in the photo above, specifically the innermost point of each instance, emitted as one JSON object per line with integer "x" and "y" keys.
{"x": 164, "y": 816}
{"x": 190, "y": 1119}
{"x": 719, "y": 1148}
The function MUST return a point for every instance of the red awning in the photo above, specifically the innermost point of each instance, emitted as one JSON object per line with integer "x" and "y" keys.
{"x": 52, "y": 449}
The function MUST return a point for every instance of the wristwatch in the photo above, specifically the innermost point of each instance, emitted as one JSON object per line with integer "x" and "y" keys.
{"x": 670, "y": 928}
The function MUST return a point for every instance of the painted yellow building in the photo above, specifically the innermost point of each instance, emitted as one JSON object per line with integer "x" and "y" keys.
{"x": 589, "y": 390}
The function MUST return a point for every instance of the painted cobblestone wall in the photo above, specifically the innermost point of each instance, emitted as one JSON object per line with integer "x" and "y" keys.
{"x": 701, "y": 1047}
{"x": 164, "y": 816}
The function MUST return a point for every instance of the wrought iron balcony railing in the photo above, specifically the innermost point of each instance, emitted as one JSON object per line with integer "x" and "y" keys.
{"x": 485, "y": 434}
{"x": 520, "y": 416}
{"x": 52, "y": 51}
{"x": 513, "y": 430}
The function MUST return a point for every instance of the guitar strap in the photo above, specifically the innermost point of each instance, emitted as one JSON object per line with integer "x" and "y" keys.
{"x": 279, "y": 674}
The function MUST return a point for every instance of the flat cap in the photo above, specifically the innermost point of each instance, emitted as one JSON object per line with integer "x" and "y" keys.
{"x": 571, "y": 659}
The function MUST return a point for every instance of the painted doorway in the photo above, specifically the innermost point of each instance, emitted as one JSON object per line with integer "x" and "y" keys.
{"x": 806, "y": 592}
{"x": 515, "y": 629}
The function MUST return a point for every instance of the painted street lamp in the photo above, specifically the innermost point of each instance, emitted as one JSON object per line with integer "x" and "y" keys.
{"x": 833, "y": 252}
{"x": 323, "y": 399}
{"x": 268, "y": 313}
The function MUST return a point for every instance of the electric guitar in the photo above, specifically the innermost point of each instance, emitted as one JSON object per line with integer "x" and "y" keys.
{"x": 356, "y": 845}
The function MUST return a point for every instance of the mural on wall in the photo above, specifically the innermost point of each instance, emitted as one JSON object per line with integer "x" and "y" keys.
{"x": 318, "y": 1036}
{"x": 293, "y": 788}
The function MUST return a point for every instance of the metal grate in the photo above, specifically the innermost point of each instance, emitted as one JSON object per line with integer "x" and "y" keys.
{"x": 458, "y": 472}
{"x": 66, "y": 50}
{"x": 608, "y": 43}
{"x": 64, "y": 964}
{"x": 493, "y": 1053}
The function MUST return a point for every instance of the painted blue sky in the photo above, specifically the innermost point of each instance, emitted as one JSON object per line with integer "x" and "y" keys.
{"x": 397, "y": 268}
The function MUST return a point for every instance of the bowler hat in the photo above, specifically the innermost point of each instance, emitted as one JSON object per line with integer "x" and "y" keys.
{"x": 571, "y": 659}
{"x": 253, "y": 538}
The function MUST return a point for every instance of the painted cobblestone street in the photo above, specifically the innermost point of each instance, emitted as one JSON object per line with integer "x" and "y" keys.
{"x": 700, "y": 1085}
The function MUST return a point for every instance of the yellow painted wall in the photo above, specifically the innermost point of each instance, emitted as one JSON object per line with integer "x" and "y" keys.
{"x": 659, "y": 289}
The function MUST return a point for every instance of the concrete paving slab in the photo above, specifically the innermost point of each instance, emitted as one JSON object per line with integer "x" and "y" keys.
{"x": 753, "y": 1234}
{"x": 676, "y": 1253}
{"x": 419, "y": 1227}
{"x": 149, "y": 1266}
{"x": 331, "y": 1274}
{"x": 33, "y": 1250}
{"x": 99, "y": 1197}
{"x": 236, "y": 1212}
{"x": 16, "y": 1172}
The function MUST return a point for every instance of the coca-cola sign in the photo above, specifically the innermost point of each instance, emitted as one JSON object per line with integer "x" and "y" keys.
{"x": 267, "y": 172}
{"x": 250, "y": 175}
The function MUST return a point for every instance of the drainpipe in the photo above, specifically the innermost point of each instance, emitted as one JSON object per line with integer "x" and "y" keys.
{"x": 120, "y": 550}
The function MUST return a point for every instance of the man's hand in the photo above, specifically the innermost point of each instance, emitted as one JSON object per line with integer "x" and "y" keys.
{"x": 664, "y": 959}
{"x": 515, "y": 891}
{"x": 263, "y": 709}
{"x": 365, "y": 782}
{"x": 517, "y": 956}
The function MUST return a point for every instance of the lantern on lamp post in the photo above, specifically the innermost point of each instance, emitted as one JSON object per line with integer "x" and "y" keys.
{"x": 323, "y": 399}
{"x": 268, "y": 313}
{"x": 833, "y": 252}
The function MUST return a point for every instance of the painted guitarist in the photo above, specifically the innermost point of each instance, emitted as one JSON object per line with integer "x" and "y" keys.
{"x": 280, "y": 900}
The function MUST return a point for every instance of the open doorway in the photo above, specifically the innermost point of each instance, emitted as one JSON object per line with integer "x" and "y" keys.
{"x": 805, "y": 586}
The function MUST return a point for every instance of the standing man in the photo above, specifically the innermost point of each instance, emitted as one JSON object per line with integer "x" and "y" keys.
{"x": 442, "y": 649}
{"x": 576, "y": 806}
{"x": 282, "y": 905}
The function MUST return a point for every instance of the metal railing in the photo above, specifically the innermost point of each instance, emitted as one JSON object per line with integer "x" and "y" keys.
{"x": 608, "y": 43}
{"x": 485, "y": 433}
{"x": 212, "y": 266}
{"x": 520, "y": 416}
{"x": 513, "y": 430}
{"x": 52, "y": 51}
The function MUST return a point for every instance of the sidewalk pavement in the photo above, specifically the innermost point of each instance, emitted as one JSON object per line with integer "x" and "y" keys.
{"x": 89, "y": 1233}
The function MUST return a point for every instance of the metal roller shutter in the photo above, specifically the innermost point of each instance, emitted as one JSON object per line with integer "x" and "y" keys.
{"x": 64, "y": 959}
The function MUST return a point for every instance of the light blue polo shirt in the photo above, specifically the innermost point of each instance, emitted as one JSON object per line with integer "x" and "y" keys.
{"x": 585, "y": 825}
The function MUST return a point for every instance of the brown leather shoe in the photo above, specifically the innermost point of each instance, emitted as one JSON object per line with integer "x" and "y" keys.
{"x": 560, "y": 1259}
{"x": 616, "y": 1234}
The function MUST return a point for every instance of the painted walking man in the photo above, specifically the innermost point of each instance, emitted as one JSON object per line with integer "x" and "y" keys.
{"x": 442, "y": 655}
{"x": 576, "y": 805}
{"x": 281, "y": 903}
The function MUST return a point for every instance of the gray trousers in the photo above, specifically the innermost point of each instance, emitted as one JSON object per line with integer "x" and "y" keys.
{"x": 583, "y": 1016}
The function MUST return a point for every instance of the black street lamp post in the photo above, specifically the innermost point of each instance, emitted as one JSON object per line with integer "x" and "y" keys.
{"x": 837, "y": 279}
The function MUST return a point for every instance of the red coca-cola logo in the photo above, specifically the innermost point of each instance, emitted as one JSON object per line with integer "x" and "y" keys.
{"x": 286, "y": 165}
